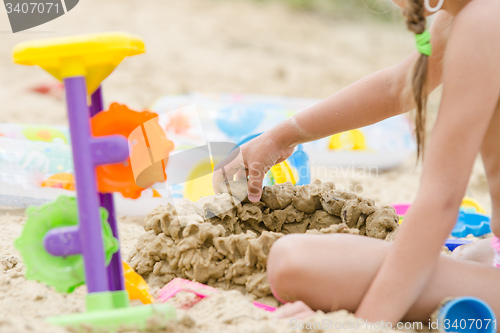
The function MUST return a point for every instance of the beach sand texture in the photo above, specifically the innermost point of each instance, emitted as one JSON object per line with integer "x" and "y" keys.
{"x": 203, "y": 45}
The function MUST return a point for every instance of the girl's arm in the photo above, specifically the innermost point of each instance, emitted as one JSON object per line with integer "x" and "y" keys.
{"x": 470, "y": 97}
{"x": 369, "y": 100}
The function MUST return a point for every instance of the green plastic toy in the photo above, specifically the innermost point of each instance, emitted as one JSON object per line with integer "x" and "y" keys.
{"x": 62, "y": 273}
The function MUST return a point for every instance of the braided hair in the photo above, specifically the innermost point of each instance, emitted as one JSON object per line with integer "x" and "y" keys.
{"x": 416, "y": 23}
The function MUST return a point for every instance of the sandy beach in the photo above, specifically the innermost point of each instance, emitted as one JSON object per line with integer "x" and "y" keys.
{"x": 214, "y": 46}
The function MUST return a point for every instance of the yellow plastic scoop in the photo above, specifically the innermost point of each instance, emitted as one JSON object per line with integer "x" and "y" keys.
{"x": 136, "y": 287}
{"x": 283, "y": 173}
{"x": 94, "y": 56}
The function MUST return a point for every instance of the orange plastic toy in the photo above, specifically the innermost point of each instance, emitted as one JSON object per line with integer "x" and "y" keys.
{"x": 136, "y": 287}
{"x": 119, "y": 177}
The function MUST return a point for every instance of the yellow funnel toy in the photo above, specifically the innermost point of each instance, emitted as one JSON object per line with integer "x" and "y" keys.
{"x": 93, "y": 56}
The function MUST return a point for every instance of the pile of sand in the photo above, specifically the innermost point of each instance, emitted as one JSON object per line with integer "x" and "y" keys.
{"x": 224, "y": 242}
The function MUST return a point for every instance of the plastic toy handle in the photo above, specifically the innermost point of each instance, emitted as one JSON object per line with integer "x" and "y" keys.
{"x": 472, "y": 203}
{"x": 136, "y": 287}
{"x": 264, "y": 306}
{"x": 282, "y": 173}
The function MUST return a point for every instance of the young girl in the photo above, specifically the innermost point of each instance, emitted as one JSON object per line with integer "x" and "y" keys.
{"x": 405, "y": 280}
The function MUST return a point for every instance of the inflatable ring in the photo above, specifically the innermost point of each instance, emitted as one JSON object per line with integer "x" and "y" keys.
{"x": 62, "y": 273}
{"x": 119, "y": 177}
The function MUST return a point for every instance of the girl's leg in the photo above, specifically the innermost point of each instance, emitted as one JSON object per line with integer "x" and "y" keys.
{"x": 331, "y": 272}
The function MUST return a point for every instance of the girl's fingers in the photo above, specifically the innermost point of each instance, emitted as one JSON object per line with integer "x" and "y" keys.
{"x": 226, "y": 170}
{"x": 285, "y": 311}
{"x": 241, "y": 174}
{"x": 217, "y": 178}
{"x": 298, "y": 310}
{"x": 256, "y": 176}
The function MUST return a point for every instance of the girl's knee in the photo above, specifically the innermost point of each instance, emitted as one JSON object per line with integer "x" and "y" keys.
{"x": 283, "y": 265}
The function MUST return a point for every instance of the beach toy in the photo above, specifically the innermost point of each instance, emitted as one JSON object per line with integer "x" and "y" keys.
{"x": 471, "y": 224}
{"x": 199, "y": 289}
{"x": 64, "y": 273}
{"x": 300, "y": 161}
{"x": 467, "y": 314}
{"x": 119, "y": 177}
{"x": 470, "y": 219}
{"x": 401, "y": 208}
{"x": 472, "y": 204}
{"x": 82, "y": 62}
{"x": 353, "y": 139}
{"x": 135, "y": 285}
{"x": 468, "y": 204}
{"x": 179, "y": 284}
{"x": 282, "y": 173}
{"x": 453, "y": 243}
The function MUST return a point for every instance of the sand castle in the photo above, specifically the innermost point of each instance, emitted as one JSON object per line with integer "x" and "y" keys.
{"x": 224, "y": 240}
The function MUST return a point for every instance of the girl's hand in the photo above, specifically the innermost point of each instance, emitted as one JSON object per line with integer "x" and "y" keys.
{"x": 296, "y": 310}
{"x": 254, "y": 160}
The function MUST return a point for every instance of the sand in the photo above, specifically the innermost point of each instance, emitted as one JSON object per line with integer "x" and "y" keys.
{"x": 203, "y": 45}
{"x": 224, "y": 242}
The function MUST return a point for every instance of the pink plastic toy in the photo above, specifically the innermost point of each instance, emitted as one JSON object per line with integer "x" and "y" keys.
{"x": 199, "y": 289}
{"x": 401, "y": 208}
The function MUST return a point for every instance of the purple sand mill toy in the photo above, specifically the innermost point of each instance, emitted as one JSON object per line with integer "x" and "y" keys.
{"x": 64, "y": 233}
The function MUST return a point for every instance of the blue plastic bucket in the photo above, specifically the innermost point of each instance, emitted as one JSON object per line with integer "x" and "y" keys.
{"x": 467, "y": 314}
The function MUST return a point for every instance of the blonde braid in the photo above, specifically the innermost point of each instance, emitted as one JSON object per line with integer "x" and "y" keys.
{"x": 416, "y": 22}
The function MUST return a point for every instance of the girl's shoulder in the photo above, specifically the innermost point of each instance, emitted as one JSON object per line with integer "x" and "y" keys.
{"x": 482, "y": 12}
